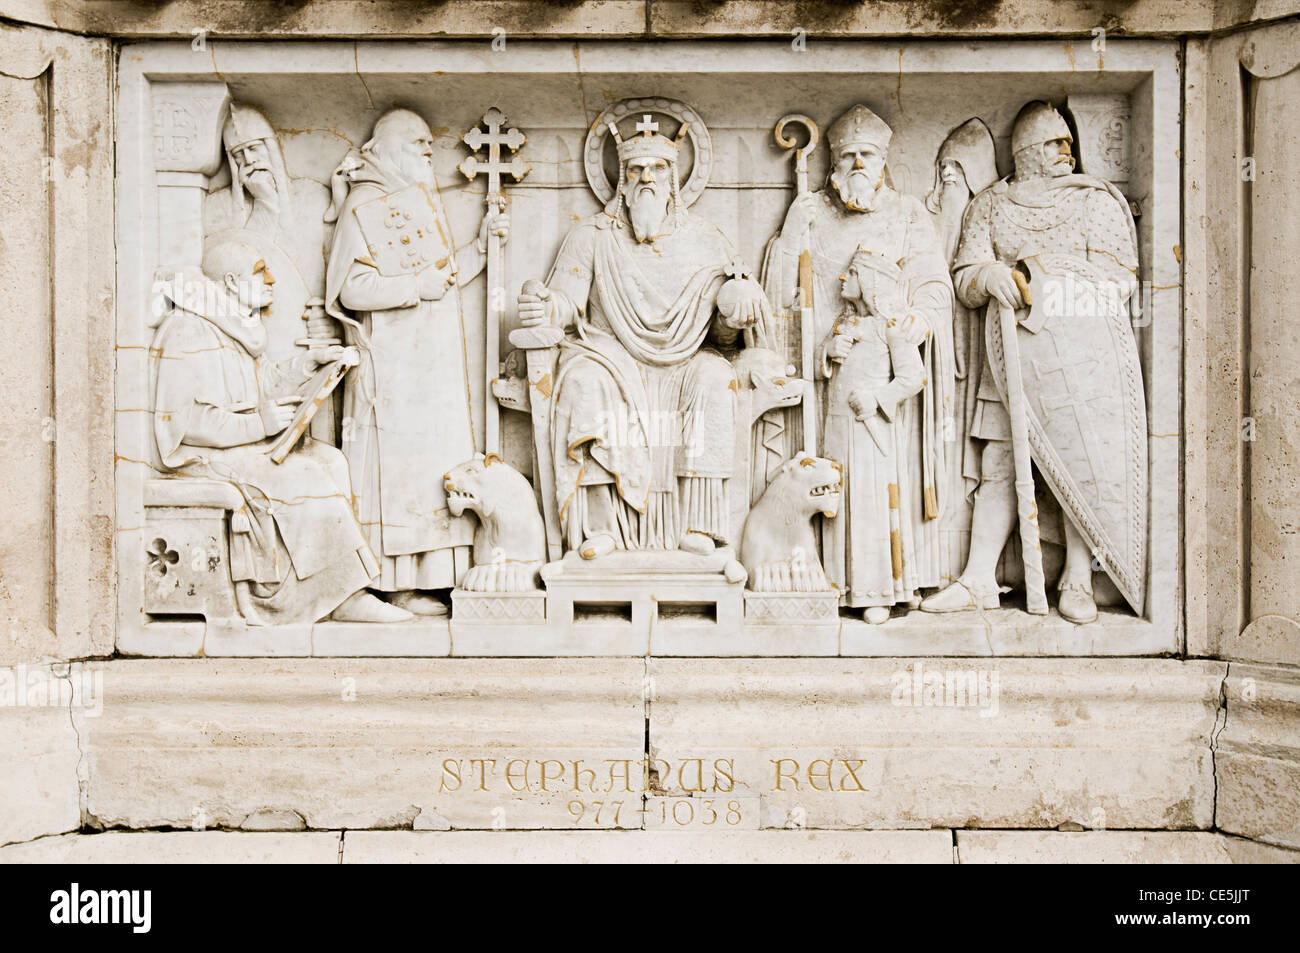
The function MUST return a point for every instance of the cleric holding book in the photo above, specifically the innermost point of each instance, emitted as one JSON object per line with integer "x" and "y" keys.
{"x": 297, "y": 552}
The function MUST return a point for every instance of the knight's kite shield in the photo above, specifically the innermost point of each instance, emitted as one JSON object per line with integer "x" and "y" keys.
{"x": 1086, "y": 409}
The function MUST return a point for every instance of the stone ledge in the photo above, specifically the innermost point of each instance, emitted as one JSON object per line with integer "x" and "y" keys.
{"x": 840, "y": 743}
{"x": 455, "y": 744}
{"x": 327, "y": 744}
{"x": 178, "y": 847}
{"x": 649, "y": 847}
{"x": 1258, "y": 760}
{"x": 38, "y": 761}
{"x": 937, "y": 17}
{"x": 1007, "y": 632}
{"x": 1113, "y": 847}
{"x": 346, "y": 18}
{"x": 643, "y": 847}
{"x": 333, "y": 18}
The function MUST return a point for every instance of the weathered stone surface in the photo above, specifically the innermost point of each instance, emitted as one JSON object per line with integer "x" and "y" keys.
{"x": 38, "y": 759}
{"x": 57, "y": 204}
{"x": 1244, "y": 851}
{"x": 1092, "y": 847}
{"x": 685, "y": 18}
{"x": 1258, "y": 755}
{"x": 340, "y": 18}
{"x": 637, "y": 17}
{"x": 649, "y": 847}
{"x": 840, "y": 743}
{"x": 1141, "y": 743}
{"x": 365, "y": 743}
{"x": 177, "y": 847}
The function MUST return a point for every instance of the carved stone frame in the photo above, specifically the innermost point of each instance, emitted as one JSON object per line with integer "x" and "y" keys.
{"x": 1149, "y": 69}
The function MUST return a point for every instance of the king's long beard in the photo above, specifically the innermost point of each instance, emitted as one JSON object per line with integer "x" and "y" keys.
{"x": 647, "y": 210}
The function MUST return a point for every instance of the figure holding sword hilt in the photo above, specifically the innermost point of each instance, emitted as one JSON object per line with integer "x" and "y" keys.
{"x": 1053, "y": 256}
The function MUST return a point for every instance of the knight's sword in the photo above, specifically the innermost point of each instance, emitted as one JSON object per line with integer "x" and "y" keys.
{"x": 1026, "y": 506}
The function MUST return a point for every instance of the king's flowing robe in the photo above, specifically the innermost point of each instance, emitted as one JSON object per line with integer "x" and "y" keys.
{"x": 296, "y": 550}
{"x": 643, "y": 427}
{"x": 898, "y": 229}
{"x": 406, "y": 409}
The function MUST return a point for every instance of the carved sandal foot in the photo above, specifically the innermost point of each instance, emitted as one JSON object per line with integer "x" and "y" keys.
{"x": 419, "y": 602}
{"x": 1076, "y": 604}
{"x": 697, "y": 543}
{"x": 597, "y": 546}
{"x": 876, "y": 614}
{"x": 363, "y": 606}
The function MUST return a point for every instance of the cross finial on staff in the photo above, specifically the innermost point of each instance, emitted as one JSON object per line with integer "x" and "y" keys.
{"x": 494, "y": 164}
{"x": 647, "y": 126}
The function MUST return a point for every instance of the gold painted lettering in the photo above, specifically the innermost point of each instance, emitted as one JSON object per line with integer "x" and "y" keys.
{"x": 510, "y": 774}
{"x": 450, "y": 769}
{"x": 851, "y": 766}
{"x": 483, "y": 770}
{"x": 626, "y": 775}
{"x": 794, "y": 766}
{"x": 814, "y": 775}
{"x": 724, "y": 768}
{"x": 559, "y": 767}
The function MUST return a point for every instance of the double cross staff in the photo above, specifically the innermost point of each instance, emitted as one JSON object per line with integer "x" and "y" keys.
{"x": 806, "y": 321}
{"x": 495, "y": 165}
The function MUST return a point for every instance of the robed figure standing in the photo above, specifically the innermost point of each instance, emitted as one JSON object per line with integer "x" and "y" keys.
{"x": 872, "y": 366}
{"x": 392, "y": 279}
{"x": 964, "y": 166}
{"x": 859, "y": 210}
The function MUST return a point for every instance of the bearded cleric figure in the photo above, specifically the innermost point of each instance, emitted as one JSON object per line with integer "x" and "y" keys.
{"x": 644, "y": 418}
{"x": 964, "y": 166}
{"x": 1082, "y": 379}
{"x": 858, "y": 210}
{"x": 391, "y": 280}
{"x": 262, "y": 196}
{"x": 280, "y": 215}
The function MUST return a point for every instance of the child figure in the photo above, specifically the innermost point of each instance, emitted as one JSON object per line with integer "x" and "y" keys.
{"x": 872, "y": 363}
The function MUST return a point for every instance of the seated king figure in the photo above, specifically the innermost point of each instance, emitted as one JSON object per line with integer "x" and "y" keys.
{"x": 643, "y": 425}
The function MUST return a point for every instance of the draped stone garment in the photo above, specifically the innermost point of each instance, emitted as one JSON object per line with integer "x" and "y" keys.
{"x": 296, "y": 549}
{"x": 637, "y": 390}
{"x": 871, "y": 549}
{"x": 406, "y": 408}
{"x": 900, "y": 231}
